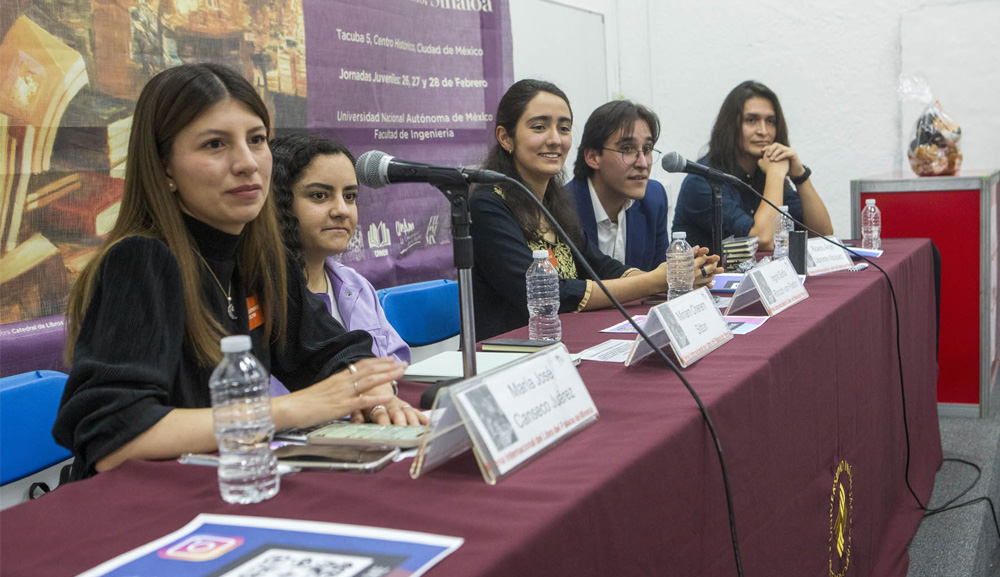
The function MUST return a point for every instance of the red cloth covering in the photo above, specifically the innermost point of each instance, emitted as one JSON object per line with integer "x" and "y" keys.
{"x": 637, "y": 493}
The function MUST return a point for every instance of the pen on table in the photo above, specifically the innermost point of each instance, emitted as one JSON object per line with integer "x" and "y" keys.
{"x": 213, "y": 461}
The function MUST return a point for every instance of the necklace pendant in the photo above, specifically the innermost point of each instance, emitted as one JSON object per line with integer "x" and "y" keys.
{"x": 231, "y": 310}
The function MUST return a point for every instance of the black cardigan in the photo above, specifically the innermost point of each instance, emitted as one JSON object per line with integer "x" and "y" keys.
{"x": 502, "y": 257}
{"x": 132, "y": 364}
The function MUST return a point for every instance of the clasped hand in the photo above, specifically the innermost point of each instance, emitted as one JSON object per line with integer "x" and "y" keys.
{"x": 781, "y": 159}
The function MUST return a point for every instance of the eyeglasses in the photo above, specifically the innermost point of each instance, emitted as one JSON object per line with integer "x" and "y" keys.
{"x": 630, "y": 155}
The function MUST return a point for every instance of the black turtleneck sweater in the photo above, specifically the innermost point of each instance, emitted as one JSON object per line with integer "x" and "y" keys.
{"x": 132, "y": 362}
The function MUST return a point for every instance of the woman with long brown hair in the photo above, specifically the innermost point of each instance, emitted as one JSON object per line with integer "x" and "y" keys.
{"x": 750, "y": 141}
{"x": 196, "y": 255}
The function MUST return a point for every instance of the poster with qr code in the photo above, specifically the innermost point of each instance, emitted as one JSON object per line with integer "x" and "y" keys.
{"x": 236, "y": 546}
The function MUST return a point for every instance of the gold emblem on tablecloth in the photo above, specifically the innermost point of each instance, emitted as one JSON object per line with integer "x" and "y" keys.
{"x": 841, "y": 513}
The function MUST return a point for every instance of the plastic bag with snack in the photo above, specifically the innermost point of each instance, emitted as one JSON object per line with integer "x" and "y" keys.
{"x": 933, "y": 147}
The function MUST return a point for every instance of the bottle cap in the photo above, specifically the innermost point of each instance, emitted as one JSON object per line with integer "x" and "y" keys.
{"x": 870, "y": 202}
{"x": 679, "y": 234}
{"x": 536, "y": 254}
{"x": 236, "y": 344}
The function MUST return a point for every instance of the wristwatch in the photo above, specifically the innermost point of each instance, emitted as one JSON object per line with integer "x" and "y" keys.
{"x": 802, "y": 177}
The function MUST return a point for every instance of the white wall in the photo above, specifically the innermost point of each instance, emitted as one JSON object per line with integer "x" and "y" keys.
{"x": 835, "y": 66}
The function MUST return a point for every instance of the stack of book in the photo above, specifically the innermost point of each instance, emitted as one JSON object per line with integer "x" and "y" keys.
{"x": 738, "y": 250}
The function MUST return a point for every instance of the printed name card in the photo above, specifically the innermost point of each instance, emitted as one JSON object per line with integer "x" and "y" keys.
{"x": 516, "y": 412}
{"x": 778, "y": 285}
{"x": 691, "y": 324}
{"x": 823, "y": 257}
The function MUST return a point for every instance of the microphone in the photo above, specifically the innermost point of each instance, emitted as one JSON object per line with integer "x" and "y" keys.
{"x": 673, "y": 162}
{"x": 376, "y": 169}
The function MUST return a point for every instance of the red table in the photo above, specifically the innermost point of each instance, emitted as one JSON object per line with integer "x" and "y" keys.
{"x": 813, "y": 392}
{"x": 959, "y": 213}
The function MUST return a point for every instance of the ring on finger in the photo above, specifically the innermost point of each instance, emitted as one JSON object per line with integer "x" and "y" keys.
{"x": 352, "y": 368}
{"x": 371, "y": 413}
{"x": 356, "y": 391}
{"x": 703, "y": 273}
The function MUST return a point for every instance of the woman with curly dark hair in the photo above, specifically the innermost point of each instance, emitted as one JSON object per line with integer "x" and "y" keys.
{"x": 315, "y": 191}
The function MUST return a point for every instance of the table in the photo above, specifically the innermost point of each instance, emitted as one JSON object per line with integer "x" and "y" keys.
{"x": 637, "y": 493}
{"x": 959, "y": 213}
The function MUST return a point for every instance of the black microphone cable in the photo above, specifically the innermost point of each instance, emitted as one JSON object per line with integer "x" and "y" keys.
{"x": 902, "y": 389}
{"x": 701, "y": 407}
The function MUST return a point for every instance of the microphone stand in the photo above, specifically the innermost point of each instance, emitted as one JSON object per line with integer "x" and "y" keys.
{"x": 454, "y": 186}
{"x": 717, "y": 221}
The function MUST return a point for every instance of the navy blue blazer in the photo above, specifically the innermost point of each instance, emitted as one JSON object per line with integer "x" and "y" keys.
{"x": 646, "y": 236}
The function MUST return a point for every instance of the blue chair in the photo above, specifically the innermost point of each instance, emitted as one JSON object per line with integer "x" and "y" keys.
{"x": 28, "y": 406}
{"x": 423, "y": 313}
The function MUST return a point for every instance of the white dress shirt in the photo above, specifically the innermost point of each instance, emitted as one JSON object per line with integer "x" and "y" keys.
{"x": 610, "y": 235}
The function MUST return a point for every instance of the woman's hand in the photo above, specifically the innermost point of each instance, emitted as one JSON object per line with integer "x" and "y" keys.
{"x": 396, "y": 412}
{"x": 776, "y": 152}
{"x": 706, "y": 266}
{"x": 360, "y": 387}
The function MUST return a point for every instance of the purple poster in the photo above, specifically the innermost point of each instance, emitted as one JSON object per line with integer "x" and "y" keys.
{"x": 419, "y": 80}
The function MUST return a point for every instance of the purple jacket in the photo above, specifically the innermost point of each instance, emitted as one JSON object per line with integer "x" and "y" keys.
{"x": 360, "y": 309}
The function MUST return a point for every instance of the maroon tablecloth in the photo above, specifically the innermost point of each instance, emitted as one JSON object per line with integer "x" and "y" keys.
{"x": 638, "y": 493}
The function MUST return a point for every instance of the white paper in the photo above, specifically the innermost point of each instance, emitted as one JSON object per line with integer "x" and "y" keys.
{"x": 626, "y": 327}
{"x": 448, "y": 365}
{"x": 742, "y": 325}
{"x": 611, "y": 351}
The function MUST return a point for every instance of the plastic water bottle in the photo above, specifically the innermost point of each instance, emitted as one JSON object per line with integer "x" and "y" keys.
{"x": 543, "y": 299}
{"x": 782, "y": 226}
{"x": 871, "y": 226}
{"x": 680, "y": 266}
{"x": 241, "y": 410}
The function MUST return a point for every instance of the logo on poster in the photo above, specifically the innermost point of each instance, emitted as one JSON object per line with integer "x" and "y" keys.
{"x": 200, "y": 548}
{"x": 378, "y": 238}
{"x": 357, "y": 242}
{"x": 403, "y": 227}
{"x": 841, "y": 520}
{"x": 432, "y": 228}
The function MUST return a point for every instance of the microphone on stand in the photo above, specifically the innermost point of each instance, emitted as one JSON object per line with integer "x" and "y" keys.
{"x": 376, "y": 169}
{"x": 673, "y": 162}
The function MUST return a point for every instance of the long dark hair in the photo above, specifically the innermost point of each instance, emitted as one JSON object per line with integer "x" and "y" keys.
{"x": 168, "y": 103}
{"x": 557, "y": 200}
{"x": 725, "y": 145}
{"x": 292, "y": 154}
{"x": 607, "y": 119}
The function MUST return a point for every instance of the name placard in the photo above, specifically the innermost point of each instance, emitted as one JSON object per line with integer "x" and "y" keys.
{"x": 778, "y": 285}
{"x": 518, "y": 411}
{"x": 691, "y": 323}
{"x": 823, "y": 257}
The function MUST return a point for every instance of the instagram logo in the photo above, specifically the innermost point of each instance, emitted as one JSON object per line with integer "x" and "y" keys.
{"x": 200, "y": 548}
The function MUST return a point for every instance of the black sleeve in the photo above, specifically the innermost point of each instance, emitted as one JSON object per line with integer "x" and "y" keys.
{"x": 502, "y": 257}
{"x": 127, "y": 354}
{"x": 316, "y": 345}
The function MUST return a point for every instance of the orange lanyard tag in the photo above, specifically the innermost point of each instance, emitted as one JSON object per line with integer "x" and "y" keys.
{"x": 553, "y": 260}
{"x": 254, "y": 313}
